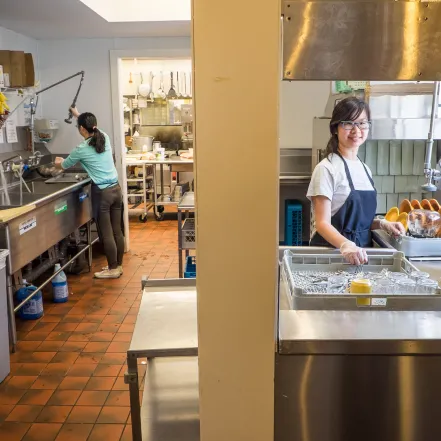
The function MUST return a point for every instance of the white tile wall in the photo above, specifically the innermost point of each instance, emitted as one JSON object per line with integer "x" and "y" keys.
{"x": 397, "y": 167}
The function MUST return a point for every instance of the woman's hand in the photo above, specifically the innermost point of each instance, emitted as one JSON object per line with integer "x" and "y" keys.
{"x": 353, "y": 254}
{"x": 58, "y": 161}
{"x": 74, "y": 111}
{"x": 393, "y": 228}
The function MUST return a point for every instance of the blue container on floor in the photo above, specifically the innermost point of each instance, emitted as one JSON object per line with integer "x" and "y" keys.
{"x": 33, "y": 309}
{"x": 59, "y": 286}
{"x": 190, "y": 268}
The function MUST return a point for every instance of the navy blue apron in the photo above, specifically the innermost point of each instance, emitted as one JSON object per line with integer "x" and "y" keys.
{"x": 354, "y": 219}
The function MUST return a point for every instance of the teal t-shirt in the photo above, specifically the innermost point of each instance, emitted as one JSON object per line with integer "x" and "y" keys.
{"x": 99, "y": 166}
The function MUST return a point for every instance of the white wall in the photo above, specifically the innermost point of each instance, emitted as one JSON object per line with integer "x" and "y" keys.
{"x": 300, "y": 102}
{"x": 61, "y": 58}
{"x": 10, "y": 40}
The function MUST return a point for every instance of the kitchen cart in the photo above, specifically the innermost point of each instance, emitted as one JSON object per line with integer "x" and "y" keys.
{"x": 176, "y": 164}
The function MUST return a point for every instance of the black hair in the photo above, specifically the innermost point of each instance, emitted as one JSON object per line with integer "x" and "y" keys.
{"x": 88, "y": 122}
{"x": 348, "y": 109}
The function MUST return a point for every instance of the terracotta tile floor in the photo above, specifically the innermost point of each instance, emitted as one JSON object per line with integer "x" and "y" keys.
{"x": 66, "y": 381}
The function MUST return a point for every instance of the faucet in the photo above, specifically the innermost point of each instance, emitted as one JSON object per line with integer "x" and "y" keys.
{"x": 7, "y": 162}
{"x": 35, "y": 158}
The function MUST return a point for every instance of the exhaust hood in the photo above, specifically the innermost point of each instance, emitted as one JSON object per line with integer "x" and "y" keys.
{"x": 361, "y": 40}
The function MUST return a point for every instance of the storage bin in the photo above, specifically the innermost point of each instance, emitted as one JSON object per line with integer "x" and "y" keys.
{"x": 190, "y": 268}
{"x": 293, "y": 223}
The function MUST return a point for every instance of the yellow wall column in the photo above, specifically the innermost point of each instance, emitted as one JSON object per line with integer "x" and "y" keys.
{"x": 236, "y": 75}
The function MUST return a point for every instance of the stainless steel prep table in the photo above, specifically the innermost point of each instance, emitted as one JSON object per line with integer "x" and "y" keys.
{"x": 166, "y": 326}
{"x": 186, "y": 205}
{"x": 357, "y": 375}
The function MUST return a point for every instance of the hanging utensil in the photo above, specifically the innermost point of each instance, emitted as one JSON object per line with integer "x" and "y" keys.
{"x": 151, "y": 94}
{"x": 144, "y": 89}
{"x": 160, "y": 93}
{"x": 185, "y": 86}
{"x": 130, "y": 78}
{"x": 191, "y": 94}
{"x": 178, "y": 86}
{"x": 171, "y": 93}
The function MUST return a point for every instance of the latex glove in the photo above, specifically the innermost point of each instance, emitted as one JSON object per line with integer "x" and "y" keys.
{"x": 353, "y": 254}
{"x": 393, "y": 228}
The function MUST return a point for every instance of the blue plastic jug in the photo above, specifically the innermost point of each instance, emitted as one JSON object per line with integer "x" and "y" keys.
{"x": 59, "y": 286}
{"x": 33, "y": 309}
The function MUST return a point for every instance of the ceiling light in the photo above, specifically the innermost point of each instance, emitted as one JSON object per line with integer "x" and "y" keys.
{"x": 141, "y": 10}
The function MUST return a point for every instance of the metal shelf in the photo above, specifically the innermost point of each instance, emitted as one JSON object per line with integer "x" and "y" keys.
{"x": 139, "y": 179}
{"x": 161, "y": 201}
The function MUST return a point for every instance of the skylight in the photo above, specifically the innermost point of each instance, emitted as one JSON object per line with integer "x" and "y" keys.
{"x": 141, "y": 10}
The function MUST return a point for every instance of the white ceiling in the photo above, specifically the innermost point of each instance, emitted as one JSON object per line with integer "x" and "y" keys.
{"x": 141, "y": 10}
{"x": 62, "y": 19}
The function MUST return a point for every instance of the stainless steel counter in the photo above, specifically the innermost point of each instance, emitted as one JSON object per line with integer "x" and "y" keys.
{"x": 60, "y": 209}
{"x": 174, "y": 159}
{"x": 358, "y": 375}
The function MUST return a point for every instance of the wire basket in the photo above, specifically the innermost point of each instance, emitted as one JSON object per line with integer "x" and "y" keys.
{"x": 297, "y": 269}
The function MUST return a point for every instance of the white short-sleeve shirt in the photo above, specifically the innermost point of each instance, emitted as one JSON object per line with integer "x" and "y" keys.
{"x": 329, "y": 180}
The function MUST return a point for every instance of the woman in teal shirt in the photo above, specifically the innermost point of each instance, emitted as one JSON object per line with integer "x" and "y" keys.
{"x": 95, "y": 155}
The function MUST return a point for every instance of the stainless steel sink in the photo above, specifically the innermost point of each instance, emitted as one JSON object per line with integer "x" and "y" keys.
{"x": 70, "y": 178}
{"x": 17, "y": 201}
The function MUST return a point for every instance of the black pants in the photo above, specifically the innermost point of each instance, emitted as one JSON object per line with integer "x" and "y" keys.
{"x": 107, "y": 211}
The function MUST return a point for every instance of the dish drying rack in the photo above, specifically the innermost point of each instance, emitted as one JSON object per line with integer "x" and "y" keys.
{"x": 301, "y": 272}
{"x": 411, "y": 246}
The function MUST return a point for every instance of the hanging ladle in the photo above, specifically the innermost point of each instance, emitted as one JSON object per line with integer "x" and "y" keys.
{"x": 171, "y": 93}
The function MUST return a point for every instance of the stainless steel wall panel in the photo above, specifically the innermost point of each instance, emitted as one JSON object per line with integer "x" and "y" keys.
{"x": 361, "y": 40}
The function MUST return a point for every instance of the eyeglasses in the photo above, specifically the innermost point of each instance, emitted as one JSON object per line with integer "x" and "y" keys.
{"x": 350, "y": 125}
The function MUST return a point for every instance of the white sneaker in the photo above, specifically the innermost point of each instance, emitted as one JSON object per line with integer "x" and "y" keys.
{"x": 120, "y": 269}
{"x": 108, "y": 274}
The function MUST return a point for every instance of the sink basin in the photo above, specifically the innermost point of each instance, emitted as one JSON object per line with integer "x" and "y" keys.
{"x": 40, "y": 187}
{"x": 16, "y": 201}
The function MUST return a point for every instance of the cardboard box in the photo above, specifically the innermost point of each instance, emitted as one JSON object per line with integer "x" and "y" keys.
{"x": 18, "y": 69}
{"x": 5, "y": 61}
{"x": 30, "y": 71}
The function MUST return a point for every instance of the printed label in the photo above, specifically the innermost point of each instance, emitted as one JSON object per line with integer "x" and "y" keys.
{"x": 60, "y": 207}
{"x": 60, "y": 291}
{"x": 33, "y": 307}
{"x": 25, "y": 226}
{"x": 378, "y": 302}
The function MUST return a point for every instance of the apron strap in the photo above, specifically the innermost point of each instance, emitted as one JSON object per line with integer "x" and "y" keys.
{"x": 368, "y": 175}
{"x": 348, "y": 174}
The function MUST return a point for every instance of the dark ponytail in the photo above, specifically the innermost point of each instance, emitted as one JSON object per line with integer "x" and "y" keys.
{"x": 348, "y": 109}
{"x": 88, "y": 122}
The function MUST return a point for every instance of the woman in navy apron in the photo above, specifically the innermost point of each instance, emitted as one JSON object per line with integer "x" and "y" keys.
{"x": 342, "y": 191}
